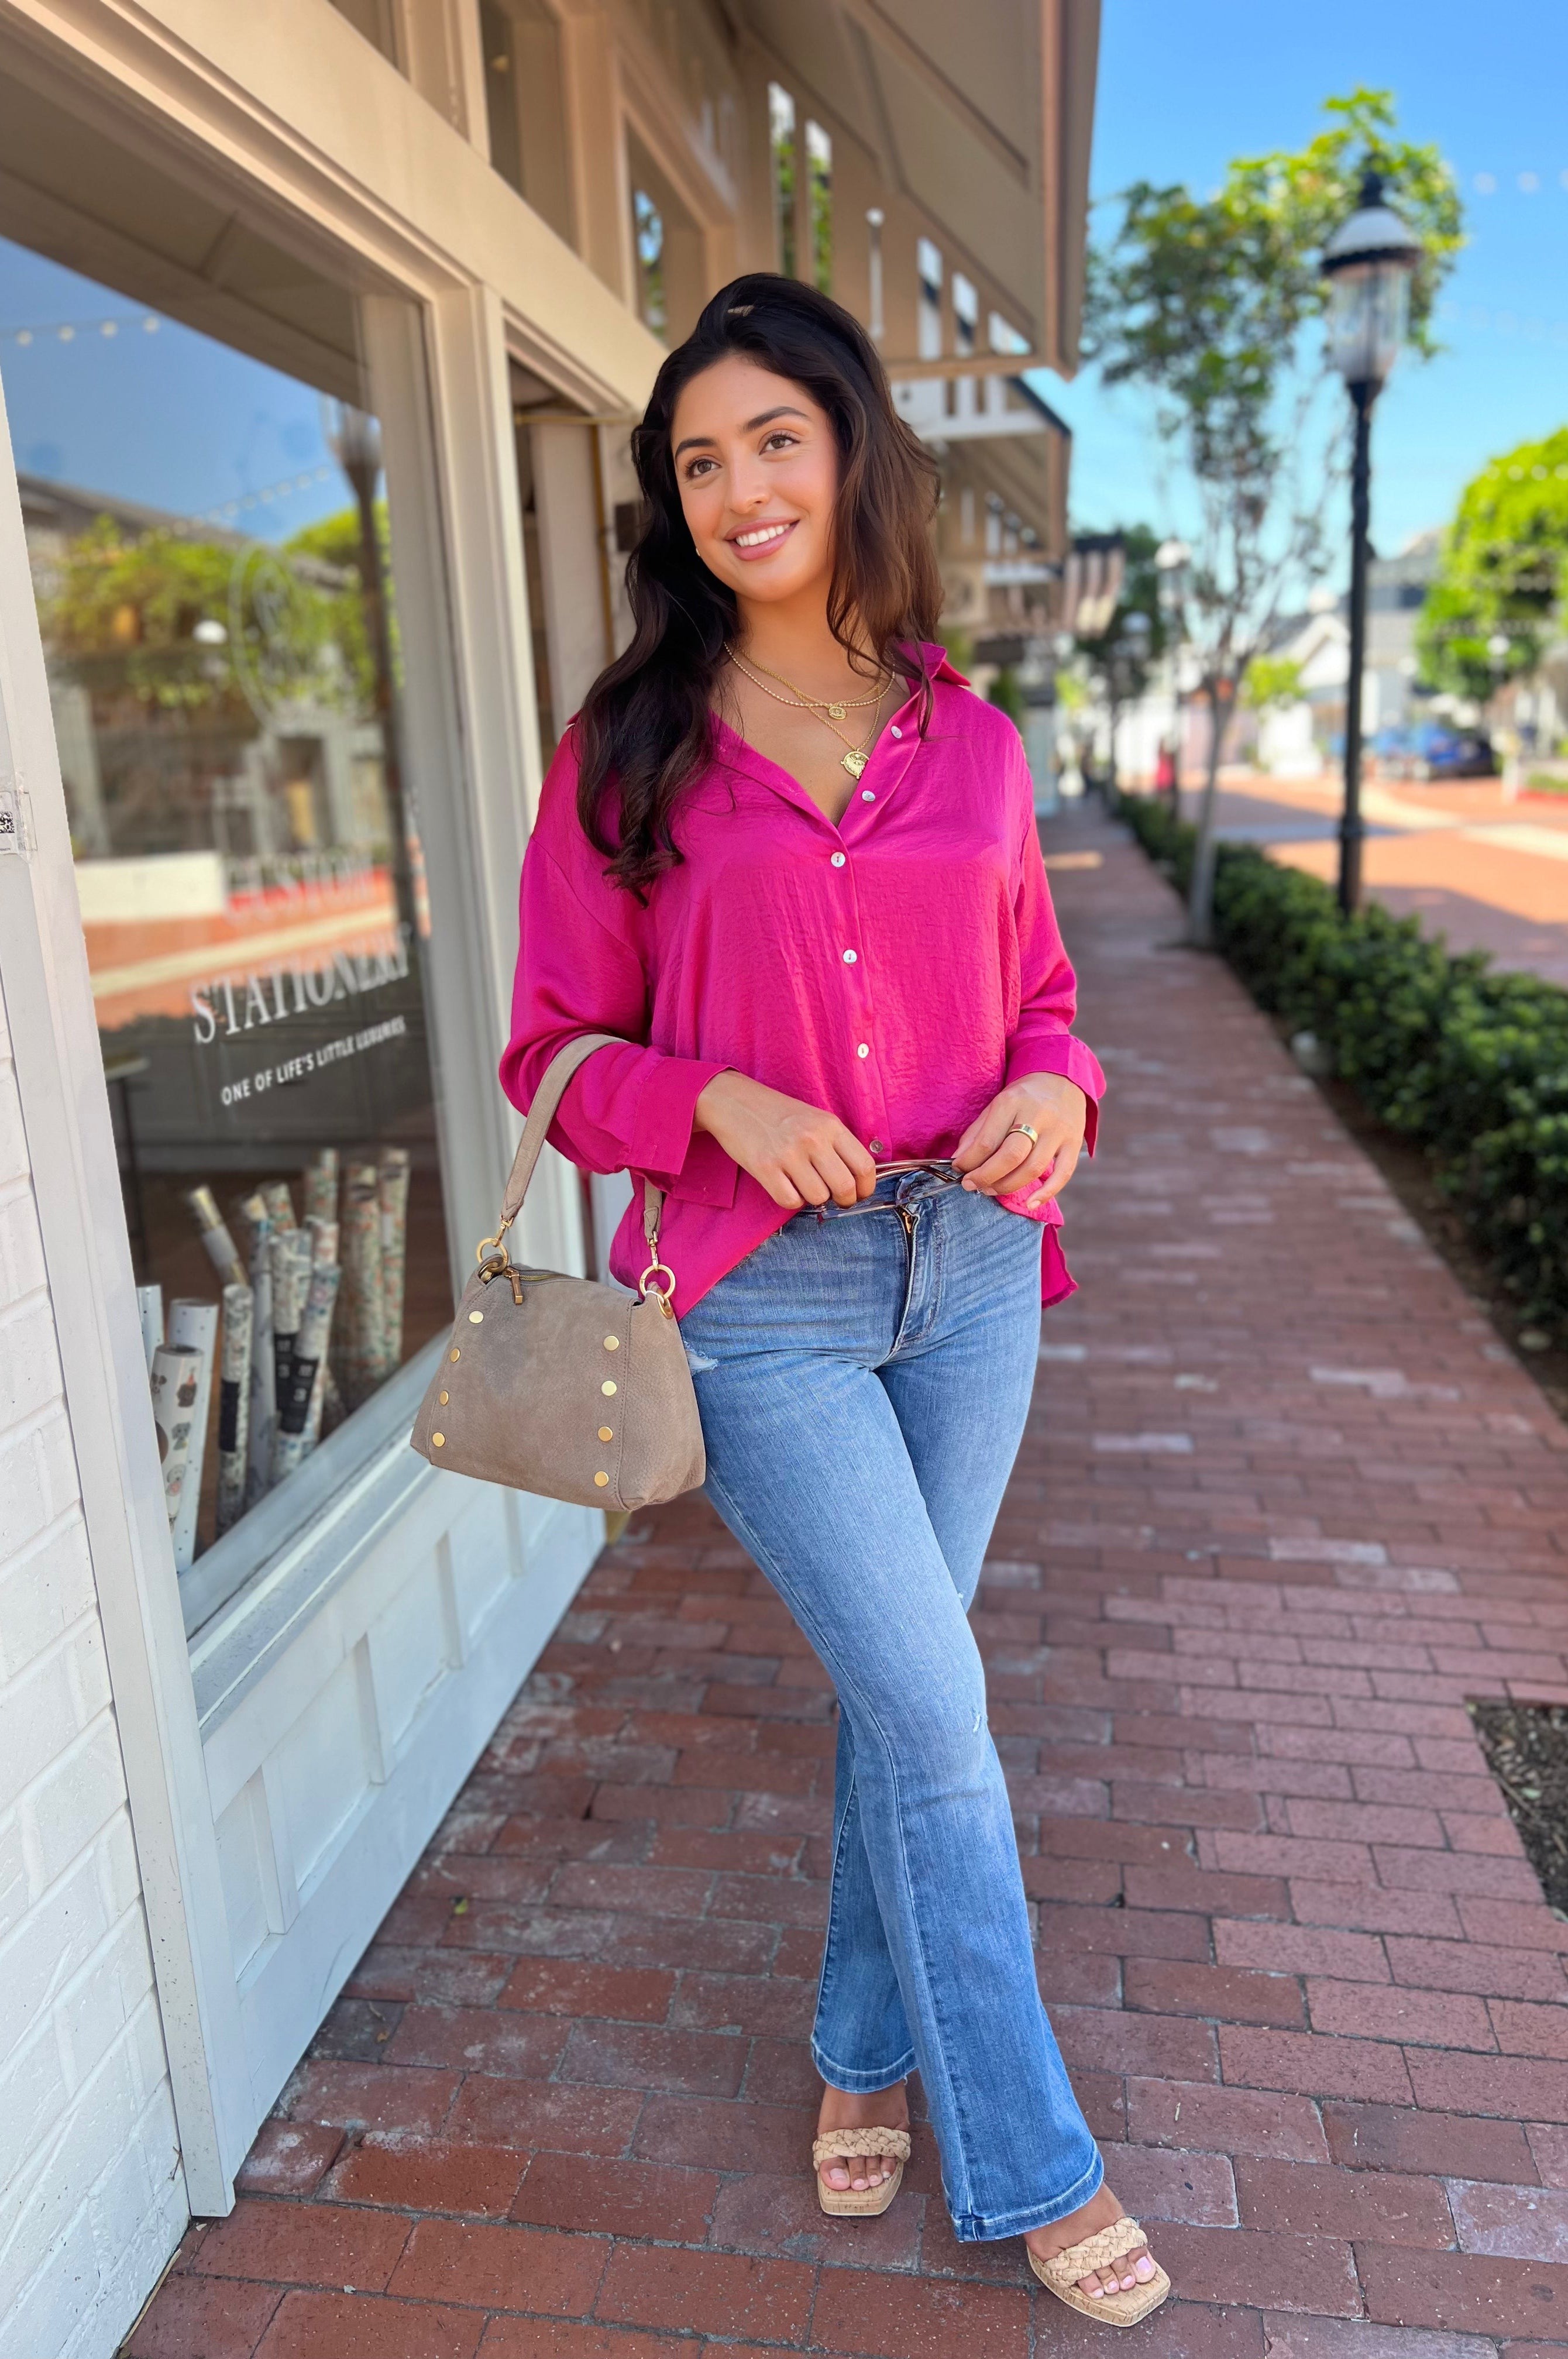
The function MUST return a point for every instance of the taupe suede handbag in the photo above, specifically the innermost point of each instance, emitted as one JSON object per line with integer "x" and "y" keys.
{"x": 559, "y": 1384}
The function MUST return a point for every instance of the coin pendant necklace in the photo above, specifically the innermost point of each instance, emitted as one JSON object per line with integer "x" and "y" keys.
{"x": 854, "y": 757}
{"x": 835, "y": 707}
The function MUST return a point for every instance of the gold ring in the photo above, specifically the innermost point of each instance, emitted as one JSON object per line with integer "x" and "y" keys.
{"x": 1028, "y": 1131}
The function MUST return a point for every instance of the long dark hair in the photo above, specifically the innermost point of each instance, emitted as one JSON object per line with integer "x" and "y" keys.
{"x": 645, "y": 724}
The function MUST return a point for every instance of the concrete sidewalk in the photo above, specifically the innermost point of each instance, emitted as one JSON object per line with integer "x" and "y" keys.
{"x": 1284, "y": 1504}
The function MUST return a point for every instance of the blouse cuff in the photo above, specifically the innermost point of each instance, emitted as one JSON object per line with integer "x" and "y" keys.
{"x": 661, "y": 1133}
{"x": 1060, "y": 1052}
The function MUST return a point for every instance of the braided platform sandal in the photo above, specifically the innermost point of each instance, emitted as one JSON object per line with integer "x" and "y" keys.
{"x": 844, "y": 2203}
{"x": 1061, "y": 2274}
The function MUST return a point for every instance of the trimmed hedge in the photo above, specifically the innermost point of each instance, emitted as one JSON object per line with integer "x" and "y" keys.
{"x": 1472, "y": 1064}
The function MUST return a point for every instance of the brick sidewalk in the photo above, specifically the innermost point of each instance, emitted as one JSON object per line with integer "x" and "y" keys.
{"x": 1284, "y": 1503}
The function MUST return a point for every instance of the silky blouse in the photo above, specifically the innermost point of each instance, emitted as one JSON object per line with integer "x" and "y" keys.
{"x": 898, "y": 969}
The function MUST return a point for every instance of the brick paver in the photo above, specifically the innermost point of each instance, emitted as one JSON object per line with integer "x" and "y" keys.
{"x": 1284, "y": 1503}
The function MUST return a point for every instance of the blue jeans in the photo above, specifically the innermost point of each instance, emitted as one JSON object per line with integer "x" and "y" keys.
{"x": 863, "y": 1378}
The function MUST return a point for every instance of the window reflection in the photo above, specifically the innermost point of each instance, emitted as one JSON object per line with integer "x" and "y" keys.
{"x": 210, "y": 558}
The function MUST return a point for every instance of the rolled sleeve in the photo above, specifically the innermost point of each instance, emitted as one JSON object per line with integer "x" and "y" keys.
{"x": 1042, "y": 1040}
{"x": 628, "y": 1107}
{"x": 663, "y": 1142}
{"x": 1060, "y": 1052}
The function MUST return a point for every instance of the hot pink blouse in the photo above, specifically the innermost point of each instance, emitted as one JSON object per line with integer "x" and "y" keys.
{"x": 898, "y": 969}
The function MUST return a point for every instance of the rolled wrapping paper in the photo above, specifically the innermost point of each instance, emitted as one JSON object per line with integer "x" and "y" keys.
{"x": 361, "y": 1244}
{"x": 324, "y": 1235}
{"x": 195, "y": 1325}
{"x": 392, "y": 1193}
{"x": 294, "y": 1408}
{"x": 175, "y": 1381}
{"x": 149, "y": 1309}
{"x": 233, "y": 1403}
{"x": 321, "y": 1187}
{"x": 263, "y": 1373}
{"x": 324, "y": 1397}
{"x": 220, "y": 1244}
{"x": 280, "y": 1203}
{"x": 292, "y": 1257}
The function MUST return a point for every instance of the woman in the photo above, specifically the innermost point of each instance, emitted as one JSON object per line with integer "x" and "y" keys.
{"x": 788, "y": 855}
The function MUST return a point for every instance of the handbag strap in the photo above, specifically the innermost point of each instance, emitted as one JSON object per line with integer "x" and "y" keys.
{"x": 541, "y": 1113}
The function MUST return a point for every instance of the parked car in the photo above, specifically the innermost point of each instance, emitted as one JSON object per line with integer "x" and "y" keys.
{"x": 1434, "y": 751}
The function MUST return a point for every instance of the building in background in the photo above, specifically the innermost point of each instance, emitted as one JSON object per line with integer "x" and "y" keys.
{"x": 321, "y": 327}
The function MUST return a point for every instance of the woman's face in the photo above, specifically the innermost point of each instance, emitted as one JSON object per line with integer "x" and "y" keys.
{"x": 757, "y": 467}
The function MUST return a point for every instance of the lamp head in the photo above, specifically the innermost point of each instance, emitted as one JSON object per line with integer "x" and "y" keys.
{"x": 1368, "y": 264}
{"x": 354, "y": 438}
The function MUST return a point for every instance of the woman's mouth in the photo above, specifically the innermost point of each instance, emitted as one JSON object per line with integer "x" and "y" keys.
{"x": 762, "y": 540}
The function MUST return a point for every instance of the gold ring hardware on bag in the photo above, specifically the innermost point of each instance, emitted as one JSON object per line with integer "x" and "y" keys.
{"x": 661, "y": 1294}
{"x": 482, "y": 1251}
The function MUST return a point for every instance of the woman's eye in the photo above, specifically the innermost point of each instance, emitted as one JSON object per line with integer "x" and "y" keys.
{"x": 698, "y": 469}
{"x": 781, "y": 440}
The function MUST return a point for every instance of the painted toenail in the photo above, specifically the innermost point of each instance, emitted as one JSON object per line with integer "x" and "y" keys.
{"x": 1096, "y": 2293}
{"x": 1144, "y": 2269}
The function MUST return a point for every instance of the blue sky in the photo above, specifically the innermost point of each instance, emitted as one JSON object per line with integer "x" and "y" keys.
{"x": 1183, "y": 89}
{"x": 168, "y": 417}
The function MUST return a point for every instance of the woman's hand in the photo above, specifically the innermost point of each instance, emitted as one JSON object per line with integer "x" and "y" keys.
{"x": 998, "y": 1160}
{"x": 800, "y": 1154}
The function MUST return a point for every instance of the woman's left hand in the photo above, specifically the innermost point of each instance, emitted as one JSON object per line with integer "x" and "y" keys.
{"x": 999, "y": 1160}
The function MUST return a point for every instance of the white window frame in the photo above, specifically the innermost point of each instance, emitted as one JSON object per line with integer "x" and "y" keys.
{"x": 471, "y": 269}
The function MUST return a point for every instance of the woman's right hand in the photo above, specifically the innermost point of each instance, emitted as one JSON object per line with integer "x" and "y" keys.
{"x": 798, "y": 1153}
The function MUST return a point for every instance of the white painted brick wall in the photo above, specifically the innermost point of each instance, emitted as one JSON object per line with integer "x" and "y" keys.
{"x": 92, "y": 2195}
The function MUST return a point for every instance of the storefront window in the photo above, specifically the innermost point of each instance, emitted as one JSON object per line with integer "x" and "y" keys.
{"x": 648, "y": 236}
{"x": 212, "y": 562}
{"x": 819, "y": 190}
{"x": 781, "y": 144}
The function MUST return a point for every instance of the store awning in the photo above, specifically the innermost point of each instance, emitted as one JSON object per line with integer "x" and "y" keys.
{"x": 981, "y": 117}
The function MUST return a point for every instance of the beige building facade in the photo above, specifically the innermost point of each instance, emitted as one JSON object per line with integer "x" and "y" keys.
{"x": 321, "y": 327}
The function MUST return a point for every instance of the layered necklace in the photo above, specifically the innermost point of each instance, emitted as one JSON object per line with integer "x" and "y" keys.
{"x": 828, "y": 710}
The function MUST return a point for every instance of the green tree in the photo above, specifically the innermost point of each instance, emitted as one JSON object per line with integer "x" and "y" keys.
{"x": 1007, "y": 696}
{"x": 122, "y": 608}
{"x": 1504, "y": 570}
{"x": 328, "y": 553}
{"x": 1211, "y": 304}
{"x": 1270, "y": 680}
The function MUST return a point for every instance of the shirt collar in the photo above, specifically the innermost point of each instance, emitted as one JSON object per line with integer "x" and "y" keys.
{"x": 940, "y": 664}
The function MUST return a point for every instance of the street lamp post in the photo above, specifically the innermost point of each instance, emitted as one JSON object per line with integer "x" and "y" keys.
{"x": 354, "y": 438}
{"x": 1171, "y": 559}
{"x": 1124, "y": 671}
{"x": 1368, "y": 263}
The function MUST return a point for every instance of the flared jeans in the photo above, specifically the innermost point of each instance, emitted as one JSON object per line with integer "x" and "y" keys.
{"x": 863, "y": 1378}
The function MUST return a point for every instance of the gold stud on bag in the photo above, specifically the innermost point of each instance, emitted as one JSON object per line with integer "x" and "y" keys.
{"x": 520, "y": 1393}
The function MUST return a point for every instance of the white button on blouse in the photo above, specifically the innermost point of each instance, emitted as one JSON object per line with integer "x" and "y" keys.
{"x": 849, "y": 958}
{"x": 838, "y": 860}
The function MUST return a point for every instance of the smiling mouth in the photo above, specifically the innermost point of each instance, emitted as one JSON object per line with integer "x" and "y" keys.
{"x": 758, "y": 539}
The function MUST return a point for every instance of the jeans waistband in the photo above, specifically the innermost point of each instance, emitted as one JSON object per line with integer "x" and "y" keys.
{"x": 896, "y": 1188}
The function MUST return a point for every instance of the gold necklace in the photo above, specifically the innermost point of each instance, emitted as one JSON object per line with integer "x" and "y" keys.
{"x": 836, "y": 706}
{"x": 855, "y": 758}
